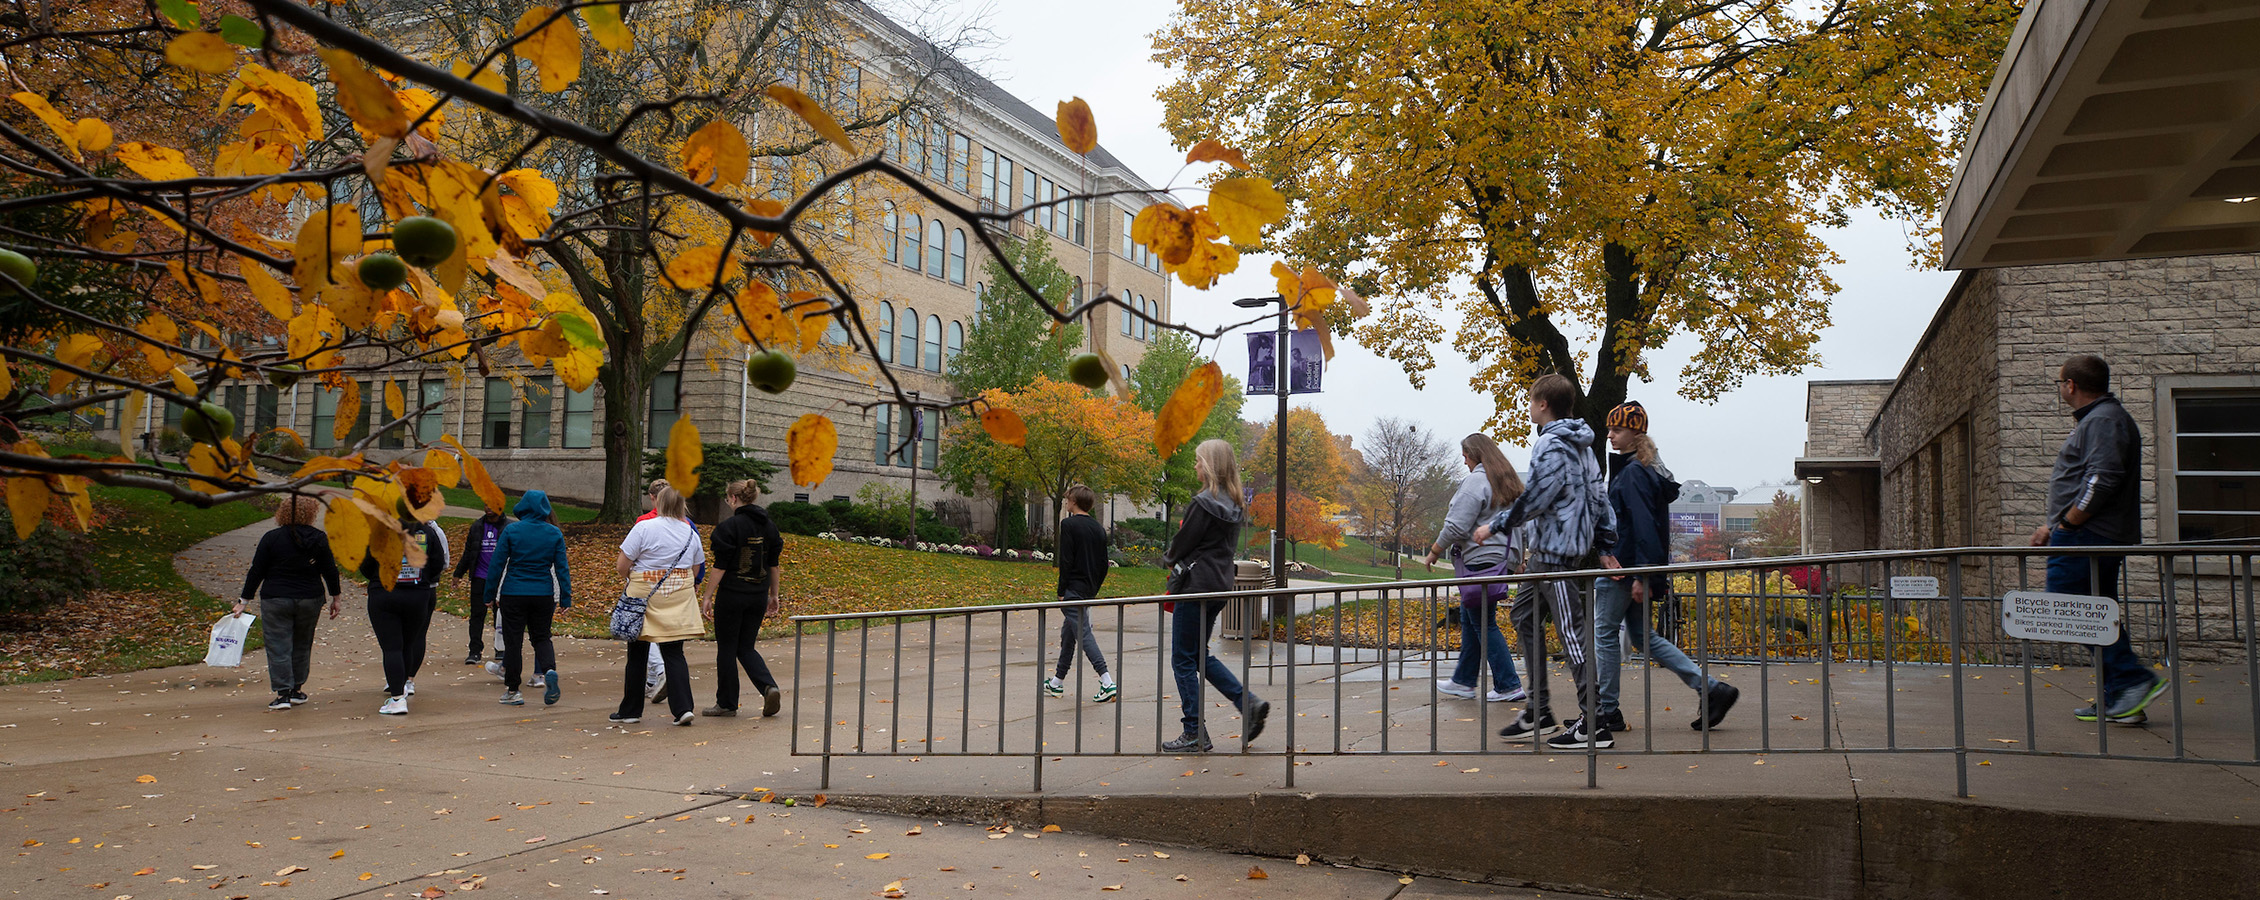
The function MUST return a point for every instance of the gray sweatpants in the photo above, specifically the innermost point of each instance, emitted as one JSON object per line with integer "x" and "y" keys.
{"x": 288, "y": 625}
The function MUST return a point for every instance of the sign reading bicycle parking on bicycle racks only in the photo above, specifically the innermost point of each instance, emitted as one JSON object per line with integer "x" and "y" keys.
{"x": 1914, "y": 587}
{"x": 2064, "y": 618}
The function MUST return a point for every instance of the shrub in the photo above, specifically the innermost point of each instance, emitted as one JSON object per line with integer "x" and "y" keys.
{"x": 171, "y": 442}
{"x": 1130, "y": 531}
{"x": 277, "y": 443}
{"x": 933, "y": 531}
{"x": 723, "y": 463}
{"x": 793, "y": 517}
{"x": 49, "y": 567}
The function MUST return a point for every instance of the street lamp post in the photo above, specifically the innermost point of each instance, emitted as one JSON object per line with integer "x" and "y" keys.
{"x": 917, "y": 425}
{"x": 1279, "y": 470}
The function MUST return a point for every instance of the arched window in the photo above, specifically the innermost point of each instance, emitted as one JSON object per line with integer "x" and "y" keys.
{"x": 910, "y": 242}
{"x": 1153, "y": 308}
{"x": 933, "y": 343}
{"x": 906, "y": 351}
{"x": 1145, "y": 326}
{"x": 886, "y": 346}
{"x": 980, "y": 299}
{"x": 1075, "y": 299}
{"x": 1129, "y": 317}
{"x": 890, "y": 224}
{"x": 934, "y": 259}
{"x": 957, "y": 256}
{"x": 956, "y": 344}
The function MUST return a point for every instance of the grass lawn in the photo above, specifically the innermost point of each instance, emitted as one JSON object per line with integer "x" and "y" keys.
{"x": 1349, "y": 565}
{"x": 144, "y": 615}
{"x": 822, "y": 577}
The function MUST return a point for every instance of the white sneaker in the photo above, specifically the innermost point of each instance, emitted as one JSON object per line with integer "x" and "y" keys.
{"x": 654, "y": 693}
{"x": 1450, "y": 688}
{"x": 394, "y": 706}
{"x": 686, "y": 717}
{"x": 411, "y": 688}
{"x": 1512, "y": 696}
{"x": 494, "y": 667}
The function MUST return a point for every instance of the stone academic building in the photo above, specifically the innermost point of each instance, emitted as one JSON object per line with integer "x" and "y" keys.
{"x": 920, "y": 281}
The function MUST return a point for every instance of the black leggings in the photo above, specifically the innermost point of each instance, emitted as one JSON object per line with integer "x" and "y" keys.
{"x": 478, "y": 618}
{"x": 737, "y": 623}
{"x": 678, "y": 678}
{"x": 400, "y": 619}
{"x": 526, "y": 616}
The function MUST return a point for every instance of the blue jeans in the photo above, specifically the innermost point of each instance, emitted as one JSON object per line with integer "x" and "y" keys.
{"x": 1619, "y": 616}
{"x": 1479, "y": 628}
{"x": 2098, "y": 576}
{"x": 1189, "y": 661}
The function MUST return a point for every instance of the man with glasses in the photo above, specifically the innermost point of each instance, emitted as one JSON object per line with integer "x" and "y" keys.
{"x": 2094, "y": 499}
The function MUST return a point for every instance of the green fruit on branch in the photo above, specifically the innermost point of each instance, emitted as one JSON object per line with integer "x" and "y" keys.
{"x": 284, "y": 376}
{"x": 18, "y": 267}
{"x": 382, "y": 271}
{"x": 771, "y": 371}
{"x": 1087, "y": 370}
{"x": 208, "y": 423}
{"x": 423, "y": 241}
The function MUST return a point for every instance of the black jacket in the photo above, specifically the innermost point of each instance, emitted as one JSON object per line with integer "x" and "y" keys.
{"x": 1082, "y": 557}
{"x": 2099, "y": 471}
{"x": 1204, "y": 543}
{"x": 293, "y": 562}
{"x": 746, "y": 547}
{"x": 1641, "y": 496}
{"x": 420, "y": 581}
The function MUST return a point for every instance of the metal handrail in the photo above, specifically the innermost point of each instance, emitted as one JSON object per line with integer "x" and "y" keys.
{"x": 2214, "y": 569}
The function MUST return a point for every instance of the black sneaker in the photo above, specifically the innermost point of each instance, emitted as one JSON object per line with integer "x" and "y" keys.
{"x": 618, "y": 719}
{"x": 1613, "y": 720}
{"x": 297, "y": 697}
{"x": 1576, "y": 737}
{"x": 772, "y": 700}
{"x": 1716, "y": 702}
{"x": 473, "y": 659}
{"x": 1523, "y": 729}
{"x": 281, "y": 701}
{"x": 1189, "y": 742}
{"x": 1256, "y": 718}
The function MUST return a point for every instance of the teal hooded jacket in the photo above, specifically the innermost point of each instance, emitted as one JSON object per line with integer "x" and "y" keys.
{"x": 530, "y": 553}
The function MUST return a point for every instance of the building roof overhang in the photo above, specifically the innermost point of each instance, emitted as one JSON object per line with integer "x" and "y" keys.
{"x": 2114, "y": 129}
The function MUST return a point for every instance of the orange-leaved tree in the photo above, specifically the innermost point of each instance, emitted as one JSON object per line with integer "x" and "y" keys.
{"x": 1309, "y": 520}
{"x": 1071, "y": 434}
{"x": 385, "y": 247}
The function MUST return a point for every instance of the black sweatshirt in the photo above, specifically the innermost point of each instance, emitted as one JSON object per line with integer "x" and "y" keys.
{"x": 425, "y": 579}
{"x": 1082, "y": 557}
{"x": 747, "y": 547}
{"x": 293, "y": 562}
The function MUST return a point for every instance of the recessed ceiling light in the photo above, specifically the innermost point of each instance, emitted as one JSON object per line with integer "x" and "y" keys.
{"x": 2239, "y": 199}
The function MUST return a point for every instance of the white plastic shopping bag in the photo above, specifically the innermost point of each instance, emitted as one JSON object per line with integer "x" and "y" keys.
{"x": 228, "y": 635}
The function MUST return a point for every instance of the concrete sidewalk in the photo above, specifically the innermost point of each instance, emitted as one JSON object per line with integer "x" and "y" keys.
{"x": 179, "y": 783}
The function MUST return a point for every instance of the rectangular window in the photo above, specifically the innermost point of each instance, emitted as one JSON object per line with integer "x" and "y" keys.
{"x": 930, "y": 444}
{"x": 988, "y": 172}
{"x": 496, "y": 434}
{"x": 1028, "y": 196}
{"x": 1127, "y": 247}
{"x": 882, "y": 421}
{"x": 234, "y": 402}
{"x": 1003, "y": 194}
{"x": 914, "y": 150}
{"x": 850, "y": 102}
{"x": 534, "y": 434}
{"x": 2216, "y": 465}
{"x": 1049, "y": 217}
{"x": 392, "y": 438}
{"x": 666, "y": 404}
{"x": 371, "y": 404}
{"x": 938, "y": 151}
{"x": 961, "y": 153}
{"x": 580, "y": 419}
{"x": 319, "y": 434}
{"x": 266, "y": 408}
{"x": 1075, "y": 209}
{"x": 433, "y": 400}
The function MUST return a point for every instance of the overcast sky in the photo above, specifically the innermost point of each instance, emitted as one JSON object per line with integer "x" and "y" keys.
{"x": 1045, "y": 52}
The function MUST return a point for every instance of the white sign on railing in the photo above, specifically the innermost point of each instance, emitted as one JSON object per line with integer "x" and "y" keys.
{"x": 1914, "y": 587}
{"x": 2064, "y": 618}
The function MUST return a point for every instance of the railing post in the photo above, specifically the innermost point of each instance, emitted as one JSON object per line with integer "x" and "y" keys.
{"x": 1954, "y": 649}
{"x": 831, "y": 644}
{"x": 1591, "y": 702}
{"x": 1040, "y": 696}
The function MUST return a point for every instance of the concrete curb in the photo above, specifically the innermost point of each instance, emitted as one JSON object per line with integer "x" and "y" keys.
{"x": 1648, "y": 846}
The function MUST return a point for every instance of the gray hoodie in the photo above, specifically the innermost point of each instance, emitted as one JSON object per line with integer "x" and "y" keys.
{"x": 1470, "y": 502}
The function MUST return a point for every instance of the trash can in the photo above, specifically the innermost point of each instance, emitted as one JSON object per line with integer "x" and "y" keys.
{"x": 1243, "y": 615}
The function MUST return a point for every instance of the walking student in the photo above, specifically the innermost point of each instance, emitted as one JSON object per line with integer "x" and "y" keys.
{"x": 740, "y": 590}
{"x": 1491, "y": 486}
{"x": 1082, "y": 569}
{"x": 478, "y": 552}
{"x": 527, "y": 566}
{"x": 1560, "y": 514}
{"x": 2094, "y": 500}
{"x": 1640, "y": 494}
{"x": 290, "y": 574}
{"x": 657, "y": 562}
{"x": 402, "y": 614}
{"x": 655, "y": 673}
{"x": 1200, "y": 561}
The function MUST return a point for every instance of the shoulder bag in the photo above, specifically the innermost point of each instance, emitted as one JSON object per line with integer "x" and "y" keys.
{"x": 627, "y": 615}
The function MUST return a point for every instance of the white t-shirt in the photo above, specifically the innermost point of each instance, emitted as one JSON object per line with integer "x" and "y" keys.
{"x": 659, "y": 543}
